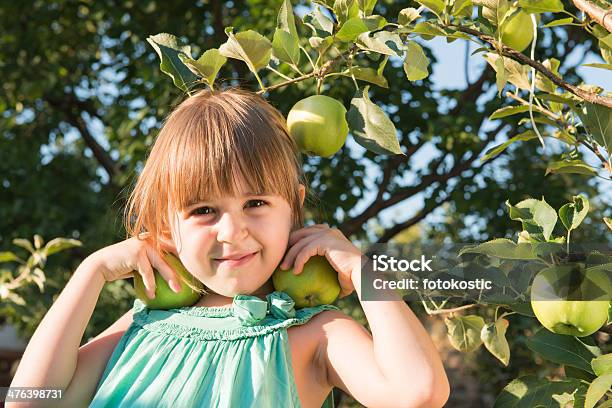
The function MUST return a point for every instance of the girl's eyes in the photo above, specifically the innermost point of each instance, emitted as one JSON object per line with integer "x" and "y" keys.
{"x": 207, "y": 210}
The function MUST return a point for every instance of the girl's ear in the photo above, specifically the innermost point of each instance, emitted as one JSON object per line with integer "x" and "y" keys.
{"x": 167, "y": 244}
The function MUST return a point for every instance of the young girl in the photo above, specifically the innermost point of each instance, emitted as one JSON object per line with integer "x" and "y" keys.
{"x": 223, "y": 190}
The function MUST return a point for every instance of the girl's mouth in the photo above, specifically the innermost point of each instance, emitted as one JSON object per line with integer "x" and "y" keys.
{"x": 237, "y": 262}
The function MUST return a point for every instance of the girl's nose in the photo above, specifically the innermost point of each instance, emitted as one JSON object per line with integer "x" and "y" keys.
{"x": 231, "y": 228}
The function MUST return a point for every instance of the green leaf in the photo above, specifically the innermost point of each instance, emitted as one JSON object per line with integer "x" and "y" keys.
{"x": 537, "y": 216}
{"x": 605, "y": 48}
{"x": 500, "y": 76}
{"x": 563, "y": 349}
{"x": 285, "y": 43}
{"x": 8, "y": 257}
{"x": 38, "y": 241}
{"x": 597, "y": 65}
{"x": 602, "y": 365}
{"x": 285, "y": 20}
{"x": 207, "y": 66}
{"x": 496, "y": 150}
{"x": 357, "y": 25}
{"x": 559, "y": 22}
{"x": 607, "y": 40}
{"x": 462, "y": 8}
{"x": 516, "y": 74}
{"x": 541, "y": 6}
{"x": 407, "y": 16}
{"x": 60, "y": 244}
{"x": 464, "y": 332}
{"x": 608, "y": 222}
{"x": 508, "y": 111}
{"x": 367, "y": 74}
{"x": 367, "y": 6}
{"x": 573, "y": 372}
{"x": 494, "y": 10}
{"x": 345, "y": 10}
{"x": 502, "y": 248}
{"x": 531, "y": 391}
{"x": 370, "y": 125}
{"x": 570, "y": 166}
{"x": 436, "y": 6}
{"x": 168, "y": 48}
{"x": 545, "y": 84}
{"x": 248, "y": 46}
{"x": 415, "y": 62}
{"x": 428, "y": 30}
{"x": 383, "y": 42}
{"x": 598, "y": 388}
{"x": 493, "y": 336}
{"x": 24, "y": 243}
{"x": 598, "y": 121}
{"x": 572, "y": 214}
{"x": 285, "y": 47}
{"x": 319, "y": 23}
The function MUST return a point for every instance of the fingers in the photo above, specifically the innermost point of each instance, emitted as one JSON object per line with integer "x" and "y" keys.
{"x": 146, "y": 271}
{"x": 304, "y": 255}
{"x": 289, "y": 258}
{"x": 164, "y": 269}
{"x": 295, "y": 236}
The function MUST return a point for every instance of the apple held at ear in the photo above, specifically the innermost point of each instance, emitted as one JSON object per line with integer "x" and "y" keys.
{"x": 317, "y": 284}
{"x": 165, "y": 297}
{"x": 559, "y": 307}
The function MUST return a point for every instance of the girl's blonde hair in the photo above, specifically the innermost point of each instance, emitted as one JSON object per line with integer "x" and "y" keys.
{"x": 209, "y": 140}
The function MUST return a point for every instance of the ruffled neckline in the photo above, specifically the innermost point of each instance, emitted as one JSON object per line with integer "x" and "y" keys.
{"x": 248, "y": 309}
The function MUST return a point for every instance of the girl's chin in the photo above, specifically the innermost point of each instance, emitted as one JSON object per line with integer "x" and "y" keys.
{"x": 244, "y": 288}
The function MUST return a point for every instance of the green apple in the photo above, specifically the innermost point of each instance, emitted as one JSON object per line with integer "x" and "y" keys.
{"x": 517, "y": 32}
{"x": 551, "y": 289}
{"x": 318, "y": 125}
{"x": 165, "y": 297}
{"x": 317, "y": 284}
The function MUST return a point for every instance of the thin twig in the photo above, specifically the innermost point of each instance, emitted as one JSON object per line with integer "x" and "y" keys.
{"x": 453, "y": 310}
{"x": 517, "y": 56}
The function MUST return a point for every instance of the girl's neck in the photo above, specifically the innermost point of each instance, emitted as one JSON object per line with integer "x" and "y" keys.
{"x": 212, "y": 299}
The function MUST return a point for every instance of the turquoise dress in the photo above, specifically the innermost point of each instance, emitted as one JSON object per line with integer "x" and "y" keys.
{"x": 236, "y": 356}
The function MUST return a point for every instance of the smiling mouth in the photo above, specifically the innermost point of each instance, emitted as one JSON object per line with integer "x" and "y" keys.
{"x": 238, "y": 261}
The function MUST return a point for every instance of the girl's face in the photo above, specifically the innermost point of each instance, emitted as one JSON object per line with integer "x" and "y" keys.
{"x": 233, "y": 244}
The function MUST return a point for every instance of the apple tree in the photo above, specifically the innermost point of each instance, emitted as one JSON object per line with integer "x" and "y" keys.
{"x": 92, "y": 95}
{"x": 335, "y": 40}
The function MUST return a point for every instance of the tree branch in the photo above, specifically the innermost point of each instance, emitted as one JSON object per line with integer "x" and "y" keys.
{"x": 351, "y": 226}
{"x": 517, "y": 56}
{"x": 66, "y": 106}
{"x": 392, "y": 164}
{"x": 399, "y": 227}
{"x": 597, "y": 14}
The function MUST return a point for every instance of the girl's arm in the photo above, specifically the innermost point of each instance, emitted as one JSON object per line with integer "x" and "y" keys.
{"x": 50, "y": 358}
{"x": 396, "y": 366}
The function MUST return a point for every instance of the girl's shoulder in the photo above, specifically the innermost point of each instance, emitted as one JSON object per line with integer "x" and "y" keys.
{"x": 329, "y": 325}
{"x": 330, "y": 321}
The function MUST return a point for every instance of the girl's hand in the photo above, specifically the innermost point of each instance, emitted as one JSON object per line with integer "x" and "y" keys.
{"x": 124, "y": 259}
{"x": 322, "y": 240}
